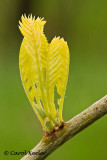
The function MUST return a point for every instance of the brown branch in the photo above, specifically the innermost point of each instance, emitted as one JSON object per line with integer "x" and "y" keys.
{"x": 50, "y": 143}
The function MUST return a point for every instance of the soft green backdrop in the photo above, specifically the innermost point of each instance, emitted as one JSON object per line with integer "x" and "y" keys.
{"x": 83, "y": 24}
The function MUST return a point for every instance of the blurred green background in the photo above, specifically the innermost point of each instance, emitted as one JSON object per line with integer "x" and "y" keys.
{"x": 83, "y": 24}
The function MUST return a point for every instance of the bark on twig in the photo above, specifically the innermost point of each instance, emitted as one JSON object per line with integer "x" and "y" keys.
{"x": 50, "y": 143}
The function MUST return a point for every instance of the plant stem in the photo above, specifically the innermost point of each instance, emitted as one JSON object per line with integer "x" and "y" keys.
{"x": 49, "y": 143}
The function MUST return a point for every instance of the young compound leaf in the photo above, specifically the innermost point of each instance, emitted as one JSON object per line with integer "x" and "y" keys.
{"x": 43, "y": 67}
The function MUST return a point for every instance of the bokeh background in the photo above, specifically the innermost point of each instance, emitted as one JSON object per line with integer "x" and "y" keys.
{"x": 83, "y": 24}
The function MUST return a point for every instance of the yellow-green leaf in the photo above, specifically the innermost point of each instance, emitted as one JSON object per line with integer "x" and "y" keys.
{"x": 43, "y": 67}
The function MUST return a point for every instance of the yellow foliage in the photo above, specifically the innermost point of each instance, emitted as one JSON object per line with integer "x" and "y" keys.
{"x": 43, "y": 67}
